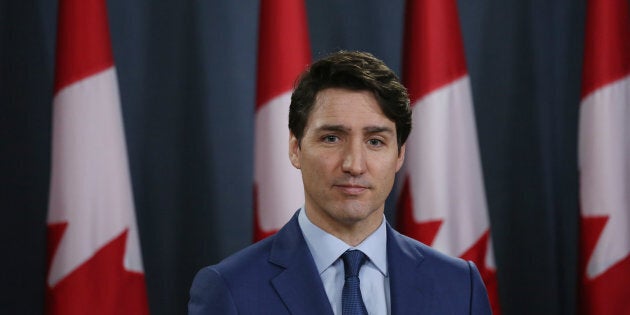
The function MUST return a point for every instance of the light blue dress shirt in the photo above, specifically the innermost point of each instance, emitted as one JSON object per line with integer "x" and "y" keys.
{"x": 327, "y": 250}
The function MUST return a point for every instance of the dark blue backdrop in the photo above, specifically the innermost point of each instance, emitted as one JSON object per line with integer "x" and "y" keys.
{"x": 187, "y": 77}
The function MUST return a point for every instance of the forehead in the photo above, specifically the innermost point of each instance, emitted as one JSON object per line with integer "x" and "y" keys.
{"x": 347, "y": 107}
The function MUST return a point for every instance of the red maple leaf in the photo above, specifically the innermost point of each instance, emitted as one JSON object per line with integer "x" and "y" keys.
{"x": 99, "y": 286}
{"x": 607, "y": 292}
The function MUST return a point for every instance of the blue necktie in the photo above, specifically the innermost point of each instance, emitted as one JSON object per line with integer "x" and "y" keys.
{"x": 351, "y": 300}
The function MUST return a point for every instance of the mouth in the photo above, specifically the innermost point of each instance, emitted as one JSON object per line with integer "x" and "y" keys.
{"x": 350, "y": 189}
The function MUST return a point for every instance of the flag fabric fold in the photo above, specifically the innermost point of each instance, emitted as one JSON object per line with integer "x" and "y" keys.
{"x": 442, "y": 201}
{"x": 604, "y": 160}
{"x": 283, "y": 53}
{"x": 94, "y": 258}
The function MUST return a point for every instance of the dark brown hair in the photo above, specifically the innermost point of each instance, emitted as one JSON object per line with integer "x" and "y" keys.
{"x": 357, "y": 71}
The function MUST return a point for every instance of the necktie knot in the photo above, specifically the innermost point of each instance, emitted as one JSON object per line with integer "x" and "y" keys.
{"x": 352, "y": 262}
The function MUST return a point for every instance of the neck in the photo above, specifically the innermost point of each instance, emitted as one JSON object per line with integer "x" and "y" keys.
{"x": 350, "y": 232}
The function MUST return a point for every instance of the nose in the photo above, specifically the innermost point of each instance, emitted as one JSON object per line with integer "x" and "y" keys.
{"x": 354, "y": 160}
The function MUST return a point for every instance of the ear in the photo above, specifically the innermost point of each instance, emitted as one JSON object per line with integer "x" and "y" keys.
{"x": 294, "y": 151}
{"x": 401, "y": 157}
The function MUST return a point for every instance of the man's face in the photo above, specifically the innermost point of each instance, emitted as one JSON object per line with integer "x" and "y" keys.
{"x": 348, "y": 157}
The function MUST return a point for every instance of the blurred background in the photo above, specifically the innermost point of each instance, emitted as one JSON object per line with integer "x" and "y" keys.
{"x": 187, "y": 76}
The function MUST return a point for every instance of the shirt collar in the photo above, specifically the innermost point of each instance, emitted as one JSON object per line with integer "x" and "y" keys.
{"x": 326, "y": 248}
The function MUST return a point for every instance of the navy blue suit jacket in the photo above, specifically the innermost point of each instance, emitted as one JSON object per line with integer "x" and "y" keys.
{"x": 278, "y": 276}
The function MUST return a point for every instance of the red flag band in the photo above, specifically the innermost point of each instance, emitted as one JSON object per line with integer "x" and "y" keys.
{"x": 604, "y": 160}
{"x": 283, "y": 53}
{"x": 94, "y": 260}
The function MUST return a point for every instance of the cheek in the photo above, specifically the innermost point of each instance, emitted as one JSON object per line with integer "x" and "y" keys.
{"x": 311, "y": 170}
{"x": 315, "y": 174}
{"x": 319, "y": 162}
{"x": 385, "y": 168}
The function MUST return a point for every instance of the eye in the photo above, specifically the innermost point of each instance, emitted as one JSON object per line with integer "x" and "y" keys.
{"x": 375, "y": 142}
{"x": 330, "y": 139}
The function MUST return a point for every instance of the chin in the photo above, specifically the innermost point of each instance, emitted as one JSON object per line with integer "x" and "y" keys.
{"x": 355, "y": 213}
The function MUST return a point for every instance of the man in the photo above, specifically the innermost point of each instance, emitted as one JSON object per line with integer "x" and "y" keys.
{"x": 349, "y": 119}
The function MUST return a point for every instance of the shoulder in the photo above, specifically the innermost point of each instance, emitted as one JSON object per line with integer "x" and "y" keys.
{"x": 248, "y": 258}
{"x": 440, "y": 265}
{"x": 451, "y": 278}
{"x": 221, "y": 288}
{"x": 258, "y": 260}
{"x": 424, "y": 252}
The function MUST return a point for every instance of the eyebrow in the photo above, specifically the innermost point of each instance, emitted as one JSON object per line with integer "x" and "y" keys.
{"x": 378, "y": 129}
{"x": 368, "y": 129}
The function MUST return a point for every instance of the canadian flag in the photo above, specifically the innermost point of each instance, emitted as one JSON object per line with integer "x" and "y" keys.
{"x": 283, "y": 53}
{"x": 604, "y": 160}
{"x": 94, "y": 260}
{"x": 442, "y": 202}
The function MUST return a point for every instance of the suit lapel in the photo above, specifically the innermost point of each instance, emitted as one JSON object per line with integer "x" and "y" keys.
{"x": 299, "y": 285}
{"x": 410, "y": 292}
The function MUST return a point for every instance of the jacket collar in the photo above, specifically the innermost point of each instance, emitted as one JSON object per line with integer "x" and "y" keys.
{"x": 410, "y": 292}
{"x": 299, "y": 285}
{"x": 301, "y": 289}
